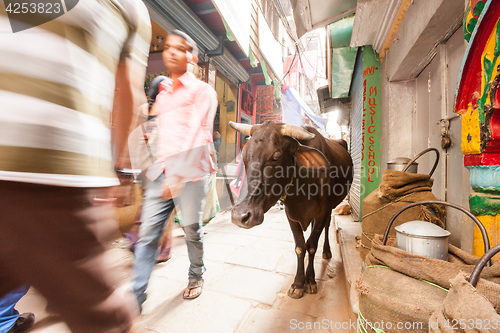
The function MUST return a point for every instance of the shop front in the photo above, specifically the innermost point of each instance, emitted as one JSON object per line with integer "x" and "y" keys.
{"x": 365, "y": 129}
{"x": 227, "y": 110}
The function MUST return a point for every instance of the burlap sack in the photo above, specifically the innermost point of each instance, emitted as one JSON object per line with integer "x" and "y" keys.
{"x": 128, "y": 202}
{"x": 392, "y": 287}
{"x": 433, "y": 270}
{"x": 394, "y": 302}
{"x": 465, "y": 309}
{"x": 397, "y": 190}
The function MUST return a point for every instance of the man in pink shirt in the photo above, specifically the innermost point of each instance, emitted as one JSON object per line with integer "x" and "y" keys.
{"x": 186, "y": 110}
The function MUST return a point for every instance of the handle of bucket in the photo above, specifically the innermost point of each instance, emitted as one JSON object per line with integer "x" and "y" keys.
{"x": 474, "y": 277}
{"x": 422, "y": 153}
{"x": 486, "y": 239}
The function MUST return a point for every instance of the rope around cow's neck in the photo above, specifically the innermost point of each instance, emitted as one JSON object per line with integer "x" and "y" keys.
{"x": 283, "y": 196}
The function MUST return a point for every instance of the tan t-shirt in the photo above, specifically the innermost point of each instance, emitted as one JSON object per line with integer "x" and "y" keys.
{"x": 57, "y": 84}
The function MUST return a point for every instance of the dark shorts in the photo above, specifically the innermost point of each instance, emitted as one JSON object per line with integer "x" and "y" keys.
{"x": 51, "y": 238}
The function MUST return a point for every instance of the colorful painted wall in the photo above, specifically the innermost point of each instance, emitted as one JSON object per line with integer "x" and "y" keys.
{"x": 477, "y": 100}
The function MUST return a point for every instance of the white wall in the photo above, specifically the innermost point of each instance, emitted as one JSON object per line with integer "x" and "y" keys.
{"x": 425, "y": 24}
{"x": 398, "y": 107}
{"x": 410, "y": 121}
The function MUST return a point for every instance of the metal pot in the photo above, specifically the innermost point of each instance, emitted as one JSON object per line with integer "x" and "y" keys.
{"x": 423, "y": 238}
{"x": 486, "y": 239}
{"x": 406, "y": 165}
{"x": 399, "y": 163}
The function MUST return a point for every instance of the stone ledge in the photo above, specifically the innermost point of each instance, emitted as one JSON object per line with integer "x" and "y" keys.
{"x": 347, "y": 230}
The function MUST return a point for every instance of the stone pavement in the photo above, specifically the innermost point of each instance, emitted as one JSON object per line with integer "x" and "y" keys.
{"x": 247, "y": 278}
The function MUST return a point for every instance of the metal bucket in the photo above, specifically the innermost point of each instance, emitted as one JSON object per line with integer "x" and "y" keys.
{"x": 400, "y": 163}
{"x": 486, "y": 239}
{"x": 406, "y": 165}
{"x": 423, "y": 238}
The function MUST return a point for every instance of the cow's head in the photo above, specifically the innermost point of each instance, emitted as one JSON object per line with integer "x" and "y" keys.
{"x": 270, "y": 157}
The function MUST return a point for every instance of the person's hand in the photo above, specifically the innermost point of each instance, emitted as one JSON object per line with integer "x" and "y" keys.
{"x": 173, "y": 187}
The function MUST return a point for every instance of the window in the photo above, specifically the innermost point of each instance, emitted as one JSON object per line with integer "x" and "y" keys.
{"x": 271, "y": 15}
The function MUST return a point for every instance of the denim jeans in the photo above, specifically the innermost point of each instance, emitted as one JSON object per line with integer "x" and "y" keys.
{"x": 9, "y": 315}
{"x": 155, "y": 212}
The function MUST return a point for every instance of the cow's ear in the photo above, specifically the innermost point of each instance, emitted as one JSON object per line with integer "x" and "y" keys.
{"x": 310, "y": 158}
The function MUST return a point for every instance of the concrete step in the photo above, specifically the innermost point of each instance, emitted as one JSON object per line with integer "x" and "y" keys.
{"x": 347, "y": 231}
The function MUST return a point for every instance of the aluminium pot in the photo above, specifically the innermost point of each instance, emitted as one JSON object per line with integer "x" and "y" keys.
{"x": 400, "y": 163}
{"x": 484, "y": 233}
{"x": 423, "y": 238}
{"x": 406, "y": 165}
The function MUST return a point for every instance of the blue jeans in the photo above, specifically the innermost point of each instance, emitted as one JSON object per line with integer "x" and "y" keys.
{"x": 155, "y": 212}
{"x": 9, "y": 315}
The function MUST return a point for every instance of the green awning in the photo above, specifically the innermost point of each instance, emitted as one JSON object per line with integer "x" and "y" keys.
{"x": 341, "y": 32}
{"x": 343, "y": 60}
{"x": 229, "y": 34}
{"x": 253, "y": 62}
{"x": 343, "y": 57}
{"x": 277, "y": 91}
{"x": 264, "y": 71}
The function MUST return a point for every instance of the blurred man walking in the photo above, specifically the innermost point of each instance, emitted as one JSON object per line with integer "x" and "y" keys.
{"x": 186, "y": 109}
{"x": 57, "y": 159}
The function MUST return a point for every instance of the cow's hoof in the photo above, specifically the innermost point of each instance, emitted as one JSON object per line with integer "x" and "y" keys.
{"x": 327, "y": 255}
{"x": 311, "y": 288}
{"x": 295, "y": 292}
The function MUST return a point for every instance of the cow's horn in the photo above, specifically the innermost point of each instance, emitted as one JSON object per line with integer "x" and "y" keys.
{"x": 296, "y": 132}
{"x": 242, "y": 128}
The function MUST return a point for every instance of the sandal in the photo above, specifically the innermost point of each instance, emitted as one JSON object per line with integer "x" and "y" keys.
{"x": 193, "y": 284}
{"x": 161, "y": 260}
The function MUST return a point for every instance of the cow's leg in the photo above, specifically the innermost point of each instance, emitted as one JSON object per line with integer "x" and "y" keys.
{"x": 297, "y": 288}
{"x": 327, "y": 253}
{"x": 311, "y": 286}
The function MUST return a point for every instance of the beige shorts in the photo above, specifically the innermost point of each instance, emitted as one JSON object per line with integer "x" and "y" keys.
{"x": 51, "y": 238}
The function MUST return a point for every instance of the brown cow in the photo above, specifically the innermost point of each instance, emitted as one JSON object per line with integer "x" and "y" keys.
{"x": 311, "y": 174}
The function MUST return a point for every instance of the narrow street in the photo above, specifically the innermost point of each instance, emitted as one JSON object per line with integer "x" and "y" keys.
{"x": 390, "y": 106}
{"x": 248, "y": 275}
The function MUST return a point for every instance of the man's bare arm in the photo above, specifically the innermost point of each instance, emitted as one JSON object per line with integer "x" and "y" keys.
{"x": 129, "y": 96}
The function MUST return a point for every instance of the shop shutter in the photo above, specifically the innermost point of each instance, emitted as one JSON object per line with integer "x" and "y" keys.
{"x": 356, "y": 138}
